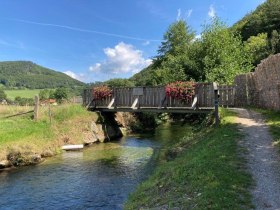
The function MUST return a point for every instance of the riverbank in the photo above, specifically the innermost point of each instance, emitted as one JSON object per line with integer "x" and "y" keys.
{"x": 26, "y": 142}
{"x": 203, "y": 170}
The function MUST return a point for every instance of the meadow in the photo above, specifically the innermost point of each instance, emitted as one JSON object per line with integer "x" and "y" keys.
{"x": 26, "y": 93}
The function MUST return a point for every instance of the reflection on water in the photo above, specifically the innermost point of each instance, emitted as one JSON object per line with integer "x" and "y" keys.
{"x": 99, "y": 177}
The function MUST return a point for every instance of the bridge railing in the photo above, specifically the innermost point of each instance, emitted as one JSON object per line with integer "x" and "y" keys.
{"x": 150, "y": 97}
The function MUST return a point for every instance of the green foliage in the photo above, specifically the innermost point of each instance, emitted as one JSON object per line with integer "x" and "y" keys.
{"x": 225, "y": 56}
{"x": 61, "y": 94}
{"x": 219, "y": 55}
{"x": 24, "y": 74}
{"x": 119, "y": 82}
{"x": 173, "y": 62}
{"x": 176, "y": 40}
{"x": 264, "y": 19}
{"x": 275, "y": 42}
{"x": 3, "y": 95}
{"x": 257, "y": 48}
{"x": 44, "y": 94}
{"x": 24, "y": 101}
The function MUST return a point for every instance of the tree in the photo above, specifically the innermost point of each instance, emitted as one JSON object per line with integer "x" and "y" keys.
{"x": 257, "y": 48}
{"x": 61, "y": 94}
{"x": 275, "y": 42}
{"x": 176, "y": 40}
{"x": 264, "y": 19}
{"x": 119, "y": 82}
{"x": 3, "y": 95}
{"x": 225, "y": 56}
{"x": 44, "y": 94}
{"x": 173, "y": 61}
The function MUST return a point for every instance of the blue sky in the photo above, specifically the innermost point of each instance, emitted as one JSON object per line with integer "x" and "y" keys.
{"x": 94, "y": 40}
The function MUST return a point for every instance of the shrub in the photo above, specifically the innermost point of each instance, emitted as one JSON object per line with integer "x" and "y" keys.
{"x": 101, "y": 92}
{"x": 180, "y": 90}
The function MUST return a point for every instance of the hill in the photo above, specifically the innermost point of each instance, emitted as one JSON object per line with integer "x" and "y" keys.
{"x": 264, "y": 19}
{"x": 25, "y": 74}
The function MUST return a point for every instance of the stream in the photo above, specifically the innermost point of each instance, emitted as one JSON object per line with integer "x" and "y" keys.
{"x": 98, "y": 177}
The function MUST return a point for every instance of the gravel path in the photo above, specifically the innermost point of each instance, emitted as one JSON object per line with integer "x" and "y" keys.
{"x": 263, "y": 159}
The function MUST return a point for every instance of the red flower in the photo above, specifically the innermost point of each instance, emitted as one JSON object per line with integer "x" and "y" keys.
{"x": 180, "y": 90}
{"x": 101, "y": 92}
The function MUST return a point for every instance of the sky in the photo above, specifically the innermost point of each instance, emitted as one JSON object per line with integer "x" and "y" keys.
{"x": 96, "y": 40}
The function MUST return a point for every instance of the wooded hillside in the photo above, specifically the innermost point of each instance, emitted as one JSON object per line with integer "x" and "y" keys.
{"x": 25, "y": 74}
{"x": 264, "y": 19}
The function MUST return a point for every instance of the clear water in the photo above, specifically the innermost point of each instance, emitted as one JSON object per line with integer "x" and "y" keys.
{"x": 99, "y": 177}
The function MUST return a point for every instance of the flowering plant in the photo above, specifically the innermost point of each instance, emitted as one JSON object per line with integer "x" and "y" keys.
{"x": 180, "y": 90}
{"x": 101, "y": 92}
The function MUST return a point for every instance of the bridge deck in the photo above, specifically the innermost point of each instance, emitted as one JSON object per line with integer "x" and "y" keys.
{"x": 155, "y": 99}
{"x": 152, "y": 99}
{"x": 154, "y": 109}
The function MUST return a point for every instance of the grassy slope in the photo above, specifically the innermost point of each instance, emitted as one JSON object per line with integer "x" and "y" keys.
{"x": 11, "y": 94}
{"x": 273, "y": 121}
{"x": 208, "y": 174}
{"x": 22, "y": 134}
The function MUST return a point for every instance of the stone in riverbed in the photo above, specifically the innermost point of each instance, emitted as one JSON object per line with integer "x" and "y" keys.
{"x": 47, "y": 153}
{"x": 5, "y": 164}
{"x": 36, "y": 158}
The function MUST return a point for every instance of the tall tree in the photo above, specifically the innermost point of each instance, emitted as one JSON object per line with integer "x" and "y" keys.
{"x": 275, "y": 42}
{"x": 173, "y": 61}
{"x": 225, "y": 54}
{"x": 257, "y": 48}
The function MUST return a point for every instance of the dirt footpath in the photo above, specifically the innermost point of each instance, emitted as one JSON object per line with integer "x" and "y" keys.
{"x": 263, "y": 159}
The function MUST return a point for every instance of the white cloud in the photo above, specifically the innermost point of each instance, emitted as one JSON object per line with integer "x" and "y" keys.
{"x": 212, "y": 11}
{"x": 178, "y": 14}
{"x": 122, "y": 59}
{"x": 189, "y": 13}
{"x": 95, "y": 68}
{"x": 74, "y": 75}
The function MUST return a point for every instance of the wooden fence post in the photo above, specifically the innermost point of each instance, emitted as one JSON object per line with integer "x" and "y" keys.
{"x": 216, "y": 104}
{"x": 36, "y": 108}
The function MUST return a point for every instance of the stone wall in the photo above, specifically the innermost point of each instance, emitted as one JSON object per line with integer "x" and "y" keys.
{"x": 262, "y": 87}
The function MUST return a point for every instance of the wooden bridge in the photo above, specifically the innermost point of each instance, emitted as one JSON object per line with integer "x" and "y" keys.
{"x": 154, "y": 99}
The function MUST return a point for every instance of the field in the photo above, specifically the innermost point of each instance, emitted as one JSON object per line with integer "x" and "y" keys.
{"x": 11, "y": 94}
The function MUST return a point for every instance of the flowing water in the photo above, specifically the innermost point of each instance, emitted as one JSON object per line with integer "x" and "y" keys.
{"x": 99, "y": 177}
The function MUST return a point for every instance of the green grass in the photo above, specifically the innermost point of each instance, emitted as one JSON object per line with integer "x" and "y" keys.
{"x": 11, "y": 94}
{"x": 23, "y": 134}
{"x": 208, "y": 173}
{"x": 273, "y": 121}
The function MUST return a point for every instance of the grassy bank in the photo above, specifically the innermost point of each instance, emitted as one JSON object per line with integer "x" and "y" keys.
{"x": 206, "y": 173}
{"x": 273, "y": 121}
{"x": 22, "y": 137}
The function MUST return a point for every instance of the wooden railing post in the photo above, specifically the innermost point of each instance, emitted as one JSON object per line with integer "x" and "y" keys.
{"x": 36, "y": 108}
{"x": 216, "y": 104}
